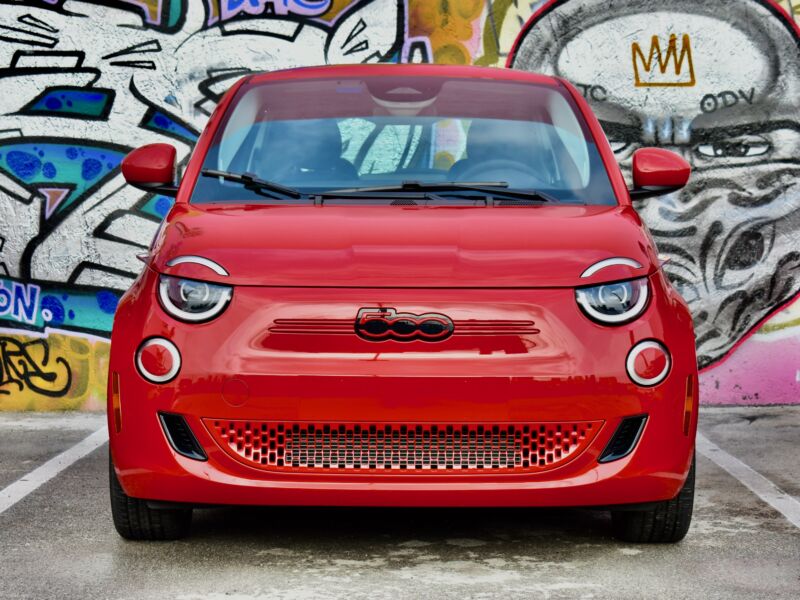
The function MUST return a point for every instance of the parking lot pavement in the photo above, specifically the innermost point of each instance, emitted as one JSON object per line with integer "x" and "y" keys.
{"x": 58, "y": 541}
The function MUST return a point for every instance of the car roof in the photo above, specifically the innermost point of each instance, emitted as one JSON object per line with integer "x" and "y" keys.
{"x": 404, "y": 70}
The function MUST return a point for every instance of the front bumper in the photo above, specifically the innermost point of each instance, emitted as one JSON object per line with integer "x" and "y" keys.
{"x": 569, "y": 370}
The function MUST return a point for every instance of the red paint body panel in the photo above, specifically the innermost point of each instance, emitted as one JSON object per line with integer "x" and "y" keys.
{"x": 391, "y": 246}
{"x": 656, "y": 167}
{"x": 339, "y": 378}
{"x": 285, "y": 348}
{"x": 150, "y": 164}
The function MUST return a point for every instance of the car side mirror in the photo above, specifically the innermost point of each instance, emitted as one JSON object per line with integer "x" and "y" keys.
{"x": 657, "y": 171}
{"x": 151, "y": 168}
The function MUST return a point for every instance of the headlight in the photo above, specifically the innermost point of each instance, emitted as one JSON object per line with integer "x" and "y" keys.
{"x": 191, "y": 300}
{"x": 614, "y": 303}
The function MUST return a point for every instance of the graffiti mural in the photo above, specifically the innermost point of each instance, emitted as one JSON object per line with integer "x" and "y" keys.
{"x": 720, "y": 87}
{"x": 86, "y": 81}
{"x": 162, "y": 80}
{"x": 91, "y": 81}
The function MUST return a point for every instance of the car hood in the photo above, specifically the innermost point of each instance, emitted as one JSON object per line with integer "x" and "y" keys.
{"x": 391, "y": 246}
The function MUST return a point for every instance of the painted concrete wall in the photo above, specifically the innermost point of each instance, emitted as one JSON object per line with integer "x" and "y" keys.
{"x": 81, "y": 83}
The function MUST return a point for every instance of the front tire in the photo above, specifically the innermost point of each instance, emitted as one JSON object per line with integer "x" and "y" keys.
{"x": 135, "y": 520}
{"x": 666, "y": 522}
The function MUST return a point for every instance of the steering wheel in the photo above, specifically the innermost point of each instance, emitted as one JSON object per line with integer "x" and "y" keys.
{"x": 482, "y": 172}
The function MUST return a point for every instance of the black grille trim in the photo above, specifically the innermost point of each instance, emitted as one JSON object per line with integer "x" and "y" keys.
{"x": 180, "y": 436}
{"x": 624, "y": 439}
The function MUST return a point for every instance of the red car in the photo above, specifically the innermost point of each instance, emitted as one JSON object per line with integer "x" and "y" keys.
{"x": 403, "y": 285}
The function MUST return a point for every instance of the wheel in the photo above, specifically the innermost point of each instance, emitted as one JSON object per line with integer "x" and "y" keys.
{"x": 667, "y": 522}
{"x": 135, "y": 520}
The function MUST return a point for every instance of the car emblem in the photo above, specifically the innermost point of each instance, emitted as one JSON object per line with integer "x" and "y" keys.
{"x": 381, "y": 324}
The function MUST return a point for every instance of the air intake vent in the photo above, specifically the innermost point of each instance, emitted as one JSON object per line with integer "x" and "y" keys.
{"x": 180, "y": 436}
{"x": 625, "y": 438}
{"x": 402, "y": 448}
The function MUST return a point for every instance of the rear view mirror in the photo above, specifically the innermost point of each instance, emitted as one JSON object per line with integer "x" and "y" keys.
{"x": 151, "y": 168}
{"x": 657, "y": 171}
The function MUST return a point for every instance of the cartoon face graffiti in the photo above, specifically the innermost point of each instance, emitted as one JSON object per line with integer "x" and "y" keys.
{"x": 719, "y": 83}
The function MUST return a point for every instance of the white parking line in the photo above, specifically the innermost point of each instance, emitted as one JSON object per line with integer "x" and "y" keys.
{"x": 762, "y": 487}
{"x": 26, "y": 484}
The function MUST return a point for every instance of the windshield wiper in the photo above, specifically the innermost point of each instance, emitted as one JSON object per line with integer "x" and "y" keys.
{"x": 251, "y": 182}
{"x": 490, "y": 188}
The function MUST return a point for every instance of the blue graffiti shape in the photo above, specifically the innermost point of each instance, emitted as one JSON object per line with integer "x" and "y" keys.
{"x": 55, "y": 308}
{"x": 78, "y": 167}
{"x": 107, "y": 301}
{"x": 91, "y": 168}
{"x": 157, "y": 206}
{"x": 23, "y": 164}
{"x": 76, "y": 103}
{"x": 163, "y": 205}
{"x": 158, "y": 121}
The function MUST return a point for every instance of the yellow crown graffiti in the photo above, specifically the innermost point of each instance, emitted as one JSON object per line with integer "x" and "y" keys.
{"x": 644, "y": 68}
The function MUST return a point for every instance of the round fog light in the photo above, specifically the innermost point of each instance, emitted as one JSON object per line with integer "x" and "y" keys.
{"x": 158, "y": 360}
{"x": 648, "y": 363}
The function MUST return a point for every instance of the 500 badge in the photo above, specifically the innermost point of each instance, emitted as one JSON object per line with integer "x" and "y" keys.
{"x": 381, "y": 324}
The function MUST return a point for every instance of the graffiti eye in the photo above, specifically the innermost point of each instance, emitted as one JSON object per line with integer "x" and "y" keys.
{"x": 736, "y": 148}
{"x": 618, "y": 146}
{"x": 621, "y": 136}
{"x": 747, "y": 250}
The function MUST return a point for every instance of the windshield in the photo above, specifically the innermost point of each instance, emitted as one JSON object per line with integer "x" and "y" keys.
{"x": 323, "y": 135}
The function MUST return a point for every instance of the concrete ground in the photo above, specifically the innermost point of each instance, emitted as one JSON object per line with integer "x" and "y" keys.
{"x": 58, "y": 541}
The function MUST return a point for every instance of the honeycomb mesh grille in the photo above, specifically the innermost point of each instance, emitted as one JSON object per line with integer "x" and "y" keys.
{"x": 359, "y": 447}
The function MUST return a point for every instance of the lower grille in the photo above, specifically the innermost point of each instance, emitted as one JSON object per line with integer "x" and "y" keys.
{"x": 411, "y": 447}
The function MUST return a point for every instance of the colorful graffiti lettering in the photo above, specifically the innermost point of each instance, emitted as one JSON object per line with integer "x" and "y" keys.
{"x": 19, "y": 301}
{"x": 306, "y": 8}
